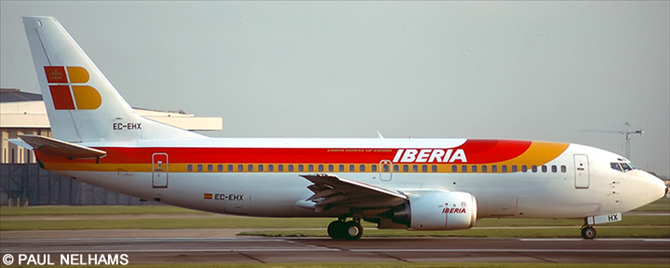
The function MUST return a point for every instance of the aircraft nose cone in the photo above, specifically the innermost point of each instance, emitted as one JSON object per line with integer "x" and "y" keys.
{"x": 658, "y": 186}
{"x": 644, "y": 188}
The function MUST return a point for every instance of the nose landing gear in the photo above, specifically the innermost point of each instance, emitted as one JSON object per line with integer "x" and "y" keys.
{"x": 345, "y": 230}
{"x": 588, "y": 232}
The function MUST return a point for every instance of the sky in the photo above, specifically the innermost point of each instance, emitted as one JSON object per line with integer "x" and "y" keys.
{"x": 510, "y": 70}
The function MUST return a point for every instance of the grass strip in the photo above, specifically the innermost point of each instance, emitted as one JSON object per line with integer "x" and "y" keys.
{"x": 609, "y": 232}
{"x": 629, "y": 220}
{"x": 251, "y": 222}
{"x": 393, "y": 265}
{"x": 403, "y": 265}
{"x": 659, "y": 205}
{"x": 93, "y": 210}
{"x": 227, "y": 222}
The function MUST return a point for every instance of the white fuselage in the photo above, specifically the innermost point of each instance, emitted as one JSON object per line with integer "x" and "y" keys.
{"x": 553, "y": 190}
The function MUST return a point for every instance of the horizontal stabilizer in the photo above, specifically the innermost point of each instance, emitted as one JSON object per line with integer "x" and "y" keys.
{"x": 50, "y": 146}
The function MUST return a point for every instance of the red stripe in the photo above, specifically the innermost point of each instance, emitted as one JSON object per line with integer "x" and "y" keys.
{"x": 492, "y": 151}
{"x": 477, "y": 151}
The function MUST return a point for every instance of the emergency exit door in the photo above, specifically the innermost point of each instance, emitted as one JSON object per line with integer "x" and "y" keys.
{"x": 159, "y": 170}
{"x": 385, "y": 170}
{"x": 582, "y": 176}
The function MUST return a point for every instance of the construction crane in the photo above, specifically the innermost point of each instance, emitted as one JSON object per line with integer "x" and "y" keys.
{"x": 626, "y": 133}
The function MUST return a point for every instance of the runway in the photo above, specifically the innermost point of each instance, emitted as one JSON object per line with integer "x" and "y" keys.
{"x": 320, "y": 250}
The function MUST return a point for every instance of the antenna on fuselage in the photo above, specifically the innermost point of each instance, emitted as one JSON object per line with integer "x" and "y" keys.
{"x": 379, "y": 135}
{"x": 624, "y": 132}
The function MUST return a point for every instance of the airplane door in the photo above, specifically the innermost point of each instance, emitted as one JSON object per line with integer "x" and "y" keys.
{"x": 385, "y": 170}
{"x": 582, "y": 175}
{"x": 159, "y": 170}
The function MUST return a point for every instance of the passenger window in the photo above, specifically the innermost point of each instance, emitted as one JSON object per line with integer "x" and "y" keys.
{"x": 373, "y": 168}
{"x": 514, "y": 168}
{"x": 405, "y": 168}
{"x": 320, "y": 167}
{"x": 534, "y": 168}
{"x": 290, "y": 168}
{"x": 260, "y": 167}
{"x": 484, "y": 168}
{"x": 434, "y": 168}
{"x": 474, "y": 168}
{"x": 250, "y": 167}
{"x": 271, "y": 168}
{"x": 362, "y": 168}
{"x": 199, "y": 168}
{"x": 464, "y": 168}
{"x": 230, "y": 167}
{"x": 352, "y": 168}
{"x": 415, "y": 168}
{"x": 310, "y": 168}
{"x": 524, "y": 168}
{"x": 424, "y": 168}
{"x": 385, "y": 168}
{"x": 626, "y": 167}
{"x": 240, "y": 168}
{"x": 210, "y": 168}
{"x": 331, "y": 168}
{"x": 396, "y": 168}
{"x": 544, "y": 169}
{"x": 554, "y": 169}
{"x": 219, "y": 168}
{"x": 301, "y": 168}
{"x": 503, "y": 168}
{"x": 564, "y": 169}
{"x": 454, "y": 168}
{"x": 340, "y": 168}
{"x": 494, "y": 168}
{"x": 189, "y": 168}
{"x": 280, "y": 168}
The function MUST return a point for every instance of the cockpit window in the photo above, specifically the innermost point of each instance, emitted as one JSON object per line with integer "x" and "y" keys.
{"x": 626, "y": 167}
{"x": 623, "y": 167}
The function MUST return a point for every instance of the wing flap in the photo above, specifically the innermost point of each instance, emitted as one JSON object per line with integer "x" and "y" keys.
{"x": 51, "y": 146}
{"x": 331, "y": 190}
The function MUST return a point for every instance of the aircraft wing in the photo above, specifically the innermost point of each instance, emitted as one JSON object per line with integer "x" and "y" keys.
{"x": 56, "y": 147}
{"x": 331, "y": 191}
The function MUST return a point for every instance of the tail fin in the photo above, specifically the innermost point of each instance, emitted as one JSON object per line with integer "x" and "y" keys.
{"x": 81, "y": 103}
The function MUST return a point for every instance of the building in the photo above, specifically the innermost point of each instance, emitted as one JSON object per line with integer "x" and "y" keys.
{"x": 25, "y": 113}
{"x": 23, "y": 182}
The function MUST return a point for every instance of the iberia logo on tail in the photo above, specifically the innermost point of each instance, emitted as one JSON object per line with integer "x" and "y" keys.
{"x": 68, "y": 89}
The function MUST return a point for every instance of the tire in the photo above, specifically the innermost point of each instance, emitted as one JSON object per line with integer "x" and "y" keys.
{"x": 335, "y": 230}
{"x": 588, "y": 232}
{"x": 352, "y": 231}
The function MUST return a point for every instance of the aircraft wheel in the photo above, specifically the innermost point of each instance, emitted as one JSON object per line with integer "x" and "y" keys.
{"x": 352, "y": 231}
{"x": 588, "y": 232}
{"x": 336, "y": 229}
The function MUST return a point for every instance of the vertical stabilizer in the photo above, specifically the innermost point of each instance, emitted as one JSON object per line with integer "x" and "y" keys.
{"x": 81, "y": 103}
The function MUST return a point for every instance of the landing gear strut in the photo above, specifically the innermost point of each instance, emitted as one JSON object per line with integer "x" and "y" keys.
{"x": 588, "y": 232}
{"x": 345, "y": 230}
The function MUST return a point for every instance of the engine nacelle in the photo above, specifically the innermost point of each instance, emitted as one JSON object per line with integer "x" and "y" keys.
{"x": 432, "y": 210}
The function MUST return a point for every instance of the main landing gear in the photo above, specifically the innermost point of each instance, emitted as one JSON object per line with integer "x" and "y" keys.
{"x": 345, "y": 230}
{"x": 588, "y": 232}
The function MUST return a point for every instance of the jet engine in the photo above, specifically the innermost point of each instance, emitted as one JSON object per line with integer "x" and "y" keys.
{"x": 437, "y": 211}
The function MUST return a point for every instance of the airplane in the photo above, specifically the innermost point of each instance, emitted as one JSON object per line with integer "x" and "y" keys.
{"x": 413, "y": 184}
